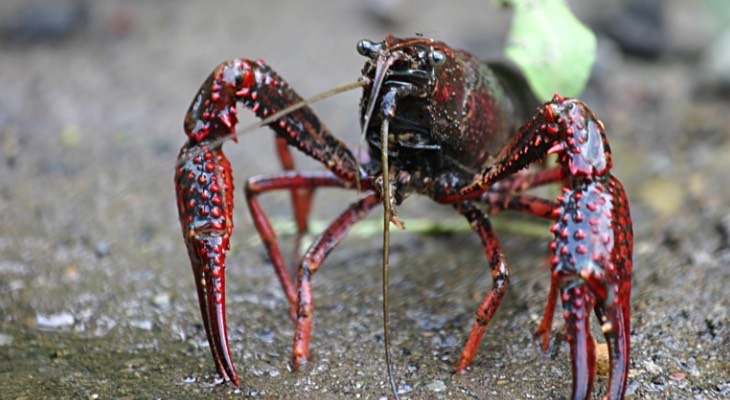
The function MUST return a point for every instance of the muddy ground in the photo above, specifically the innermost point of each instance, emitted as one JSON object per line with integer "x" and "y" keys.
{"x": 96, "y": 295}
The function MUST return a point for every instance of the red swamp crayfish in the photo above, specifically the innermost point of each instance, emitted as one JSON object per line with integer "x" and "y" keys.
{"x": 439, "y": 123}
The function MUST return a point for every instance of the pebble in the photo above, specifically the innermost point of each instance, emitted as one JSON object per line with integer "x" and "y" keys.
{"x": 70, "y": 137}
{"x": 266, "y": 336}
{"x": 5, "y": 339}
{"x": 436, "y": 386}
{"x": 405, "y": 388}
{"x": 141, "y": 324}
{"x": 639, "y": 28}
{"x": 162, "y": 300}
{"x": 102, "y": 249}
{"x": 653, "y": 368}
{"x": 662, "y": 195}
{"x": 714, "y": 66}
{"x": 54, "y": 321}
{"x": 603, "y": 366}
{"x": 44, "y": 20}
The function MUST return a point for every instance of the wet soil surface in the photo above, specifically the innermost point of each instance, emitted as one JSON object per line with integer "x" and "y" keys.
{"x": 96, "y": 295}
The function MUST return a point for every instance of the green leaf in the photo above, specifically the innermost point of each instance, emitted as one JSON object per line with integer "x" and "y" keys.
{"x": 554, "y": 50}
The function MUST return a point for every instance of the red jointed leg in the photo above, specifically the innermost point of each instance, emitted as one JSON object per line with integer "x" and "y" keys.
{"x": 507, "y": 193}
{"x": 301, "y": 198}
{"x": 498, "y": 201}
{"x": 526, "y": 180}
{"x": 529, "y": 204}
{"x": 546, "y": 325}
{"x": 294, "y": 181}
{"x": 500, "y": 279}
{"x": 312, "y": 260}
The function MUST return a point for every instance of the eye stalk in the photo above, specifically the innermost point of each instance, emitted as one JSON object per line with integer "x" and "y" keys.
{"x": 436, "y": 58}
{"x": 368, "y": 48}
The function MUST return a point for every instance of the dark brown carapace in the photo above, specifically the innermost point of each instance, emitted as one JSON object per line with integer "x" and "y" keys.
{"x": 438, "y": 123}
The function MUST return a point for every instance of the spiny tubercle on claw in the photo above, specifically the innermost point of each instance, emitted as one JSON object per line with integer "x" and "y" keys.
{"x": 584, "y": 148}
{"x": 203, "y": 185}
{"x": 584, "y": 236}
{"x": 213, "y": 112}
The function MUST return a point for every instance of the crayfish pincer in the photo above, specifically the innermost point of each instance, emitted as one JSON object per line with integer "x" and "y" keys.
{"x": 439, "y": 123}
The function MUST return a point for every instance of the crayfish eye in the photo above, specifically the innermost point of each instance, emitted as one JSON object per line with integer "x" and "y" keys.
{"x": 367, "y": 48}
{"x": 436, "y": 58}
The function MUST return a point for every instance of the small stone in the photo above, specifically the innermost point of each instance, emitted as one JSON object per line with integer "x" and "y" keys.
{"x": 59, "y": 354}
{"x": 653, "y": 368}
{"x": 5, "y": 339}
{"x": 102, "y": 249}
{"x": 405, "y": 388}
{"x": 40, "y": 21}
{"x": 70, "y": 137}
{"x": 678, "y": 376}
{"x": 71, "y": 272}
{"x": 603, "y": 365}
{"x": 436, "y": 386}
{"x": 136, "y": 363}
{"x": 141, "y": 324}
{"x": 639, "y": 28}
{"x": 714, "y": 65}
{"x": 54, "y": 321}
{"x": 266, "y": 336}
{"x": 662, "y": 195}
{"x": 162, "y": 300}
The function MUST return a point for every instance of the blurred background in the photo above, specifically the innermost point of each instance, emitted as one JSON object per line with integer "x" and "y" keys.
{"x": 96, "y": 295}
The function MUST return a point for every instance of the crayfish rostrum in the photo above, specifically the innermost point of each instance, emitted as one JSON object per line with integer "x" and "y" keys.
{"x": 438, "y": 123}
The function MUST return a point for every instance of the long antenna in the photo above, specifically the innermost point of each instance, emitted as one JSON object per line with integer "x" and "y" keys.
{"x": 386, "y": 249}
{"x": 385, "y": 61}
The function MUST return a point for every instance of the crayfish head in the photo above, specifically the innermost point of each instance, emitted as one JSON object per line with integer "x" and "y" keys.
{"x": 400, "y": 78}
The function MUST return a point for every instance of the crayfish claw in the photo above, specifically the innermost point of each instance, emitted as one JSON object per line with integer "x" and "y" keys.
{"x": 204, "y": 185}
{"x": 616, "y": 332}
{"x": 210, "y": 284}
{"x": 578, "y": 303}
{"x": 592, "y": 266}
